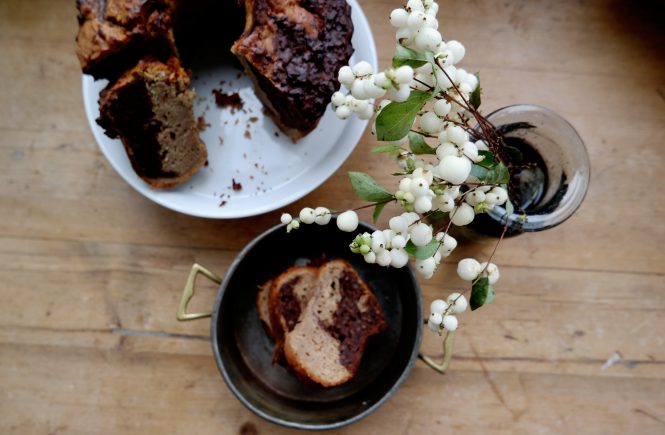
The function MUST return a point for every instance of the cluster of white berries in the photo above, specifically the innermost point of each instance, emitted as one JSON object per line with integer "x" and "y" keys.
{"x": 417, "y": 29}
{"x": 484, "y": 198}
{"x": 318, "y": 215}
{"x": 442, "y": 313}
{"x": 417, "y": 26}
{"x": 365, "y": 86}
{"x": 387, "y": 247}
{"x": 470, "y": 269}
{"x": 347, "y": 221}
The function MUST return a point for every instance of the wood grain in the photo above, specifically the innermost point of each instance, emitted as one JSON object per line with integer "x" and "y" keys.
{"x": 90, "y": 271}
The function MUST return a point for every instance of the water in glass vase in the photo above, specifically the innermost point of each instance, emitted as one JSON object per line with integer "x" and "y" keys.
{"x": 527, "y": 189}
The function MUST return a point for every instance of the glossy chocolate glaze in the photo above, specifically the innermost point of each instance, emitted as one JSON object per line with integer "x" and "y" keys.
{"x": 295, "y": 48}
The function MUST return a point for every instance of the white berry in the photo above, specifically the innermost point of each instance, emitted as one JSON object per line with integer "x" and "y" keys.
{"x": 419, "y": 186}
{"x": 398, "y": 224}
{"x": 430, "y": 123}
{"x": 501, "y": 194}
{"x": 338, "y": 98}
{"x": 357, "y": 105}
{"x": 458, "y": 303}
{"x": 383, "y": 258}
{"x": 398, "y": 17}
{"x": 416, "y": 20}
{"x": 438, "y": 306}
{"x": 346, "y": 76}
{"x": 492, "y": 272}
{"x": 343, "y": 112}
{"x": 454, "y": 169}
{"x": 372, "y": 90}
{"x": 491, "y": 199}
{"x": 443, "y": 203}
{"x": 442, "y": 107}
{"x": 400, "y": 94}
{"x": 404, "y": 75}
{"x": 448, "y": 245}
{"x": 450, "y": 323}
{"x": 421, "y": 234}
{"x": 398, "y": 242}
{"x": 475, "y": 197}
{"x": 446, "y": 149}
{"x": 428, "y": 38}
{"x": 347, "y": 221}
{"x": 457, "y": 49}
{"x": 471, "y": 151}
{"x": 415, "y": 5}
{"x": 463, "y": 215}
{"x": 436, "y": 318}
{"x": 426, "y": 267}
{"x": 322, "y": 215}
{"x": 399, "y": 258}
{"x": 423, "y": 204}
{"x": 307, "y": 215}
{"x": 457, "y": 135}
{"x": 468, "y": 269}
{"x": 367, "y": 113}
{"x": 381, "y": 80}
{"x": 285, "y": 218}
{"x": 358, "y": 89}
{"x": 362, "y": 68}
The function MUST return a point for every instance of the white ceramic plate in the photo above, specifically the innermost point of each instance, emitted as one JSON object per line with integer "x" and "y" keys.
{"x": 272, "y": 170}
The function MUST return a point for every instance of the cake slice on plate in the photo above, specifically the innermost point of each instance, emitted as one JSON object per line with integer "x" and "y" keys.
{"x": 150, "y": 109}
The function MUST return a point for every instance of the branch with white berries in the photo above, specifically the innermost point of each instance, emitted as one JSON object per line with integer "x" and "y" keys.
{"x": 450, "y": 168}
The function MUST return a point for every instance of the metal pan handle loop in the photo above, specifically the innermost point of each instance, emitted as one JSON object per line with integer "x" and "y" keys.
{"x": 188, "y": 292}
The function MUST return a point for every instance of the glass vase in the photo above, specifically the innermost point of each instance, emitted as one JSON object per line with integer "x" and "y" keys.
{"x": 550, "y": 174}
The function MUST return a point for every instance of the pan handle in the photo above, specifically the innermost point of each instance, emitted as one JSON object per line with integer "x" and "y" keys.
{"x": 441, "y": 367}
{"x": 189, "y": 289}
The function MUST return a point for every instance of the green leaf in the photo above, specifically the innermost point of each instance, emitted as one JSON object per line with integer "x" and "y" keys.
{"x": 418, "y": 145}
{"x": 497, "y": 175}
{"x": 392, "y": 150}
{"x": 410, "y": 165}
{"x": 377, "y": 211}
{"x": 367, "y": 188}
{"x": 474, "y": 97}
{"x": 482, "y": 293}
{"x": 405, "y": 56}
{"x": 510, "y": 208}
{"x": 479, "y": 172}
{"x": 437, "y": 216}
{"x": 422, "y": 252}
{"x": 396, "y": 119}
{"x": 488, "y": 161}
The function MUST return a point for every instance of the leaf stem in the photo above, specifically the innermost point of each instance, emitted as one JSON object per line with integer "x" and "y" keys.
{"x": 373, "y": 204}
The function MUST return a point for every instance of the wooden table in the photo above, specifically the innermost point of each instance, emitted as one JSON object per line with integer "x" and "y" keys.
{"x": 91, "y": 272}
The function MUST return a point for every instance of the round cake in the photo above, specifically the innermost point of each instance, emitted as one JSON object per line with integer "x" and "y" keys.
{"x": 291, "y": 50}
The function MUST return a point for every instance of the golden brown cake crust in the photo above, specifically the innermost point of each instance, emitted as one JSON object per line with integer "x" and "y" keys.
{"x": 114, "y": 34}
